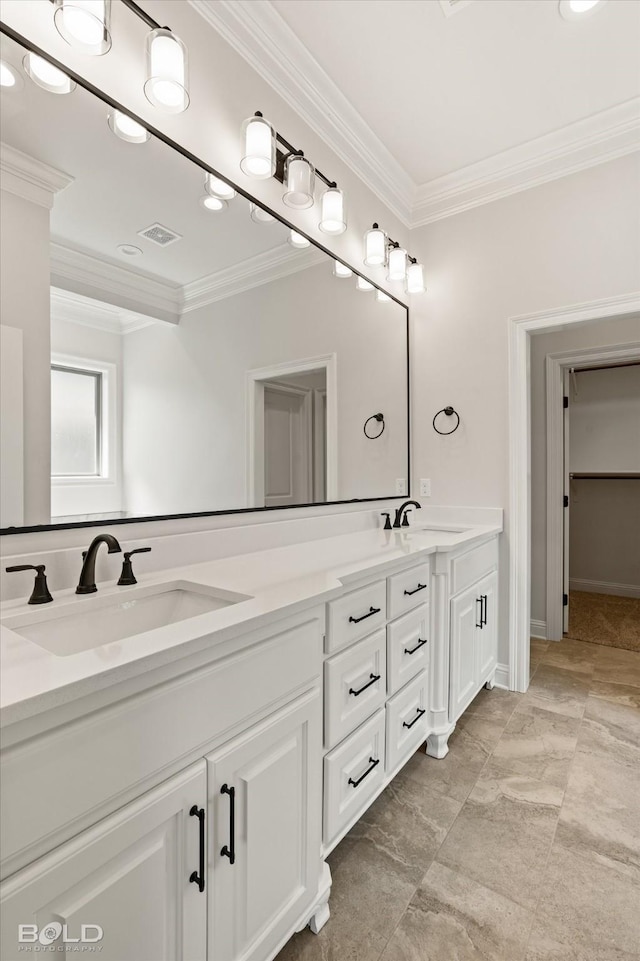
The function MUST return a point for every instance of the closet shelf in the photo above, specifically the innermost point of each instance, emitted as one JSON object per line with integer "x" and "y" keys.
{"x": 606, "y": 475}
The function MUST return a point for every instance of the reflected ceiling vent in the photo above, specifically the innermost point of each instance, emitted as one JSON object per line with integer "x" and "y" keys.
{"x": 449, "y": 7}
{"x": 159, "y": 235}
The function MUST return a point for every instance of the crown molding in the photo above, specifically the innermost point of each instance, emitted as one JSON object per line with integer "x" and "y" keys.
{"x": 259, "y": 34}
{"x": 81, "y": 268}
{"x": 586, "y": 143}
{"x": 262, "y": 269}
{"x": 29, "y": 178}
{"x": 76, "y": 309}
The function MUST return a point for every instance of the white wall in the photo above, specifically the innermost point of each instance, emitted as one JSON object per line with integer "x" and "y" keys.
{"x": 185, "y": 390}
{"x": 605, "y": 420}
{"x": 566, "y": 242}
{"x": 24, "y": 304}
{"x": 11, "y": 428}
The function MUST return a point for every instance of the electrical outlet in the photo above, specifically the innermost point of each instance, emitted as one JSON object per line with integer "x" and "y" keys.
{"x": 401, "y": 487}
{"x": 425, "y": 487}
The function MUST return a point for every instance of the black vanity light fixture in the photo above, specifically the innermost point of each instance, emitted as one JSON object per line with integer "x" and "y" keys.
{"x": 262, "y": 158}
{"x": 380, "y": 251}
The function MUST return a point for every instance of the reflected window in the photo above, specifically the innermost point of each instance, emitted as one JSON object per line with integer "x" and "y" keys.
{"x": 76, "y": 422}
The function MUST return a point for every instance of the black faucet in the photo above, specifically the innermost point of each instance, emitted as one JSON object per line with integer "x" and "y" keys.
{"x": 87, "y": 582}
{"x": 401, "y": 519}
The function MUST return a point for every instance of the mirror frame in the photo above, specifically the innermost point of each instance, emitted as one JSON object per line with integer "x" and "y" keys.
{"x": 114, "y": 104}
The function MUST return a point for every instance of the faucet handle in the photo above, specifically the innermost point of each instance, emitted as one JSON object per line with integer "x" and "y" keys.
{"x": 405, "y": 519}
{"x": 40, "y": 593}
{"x": 127, "y": 576}
{"x": 387, "y": 523}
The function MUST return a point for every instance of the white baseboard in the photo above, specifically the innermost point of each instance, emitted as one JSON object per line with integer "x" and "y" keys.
{"x": 502, "y": 676}
{"x": 604, "y": 587}
{"x": 538, "y": 629}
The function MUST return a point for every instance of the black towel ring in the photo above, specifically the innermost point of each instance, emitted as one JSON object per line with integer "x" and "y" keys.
{"x": 448, "y": 411}
{"x": 380, "y": 419}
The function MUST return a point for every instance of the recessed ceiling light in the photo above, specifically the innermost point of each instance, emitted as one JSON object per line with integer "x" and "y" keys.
{"x": 45, "y": 75}
{"x": 128, "y": 250}
{"x": 8, "y": 75}
{"x": 126, "y": 128}
{"x": 579, "y": 9}
{"x": 213, "y": 203}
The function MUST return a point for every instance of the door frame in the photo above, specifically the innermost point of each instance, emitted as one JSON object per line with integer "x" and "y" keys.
{"x": 254, "y": 393}
{"x": 521, "y": 328}
{"x": 556, "y": 366}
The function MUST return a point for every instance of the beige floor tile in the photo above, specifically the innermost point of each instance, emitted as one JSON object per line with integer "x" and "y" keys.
{"x": 356, "y": 941}
{"x": 495, "y": 705}
{"x": 617, "y": 666}
{"x": 452, "y": 918}
{"x": 555, "y": 689}
{"x": 539, "y": 744}
{"x": 611, "y": 724}
{"x": 571, "y": 656}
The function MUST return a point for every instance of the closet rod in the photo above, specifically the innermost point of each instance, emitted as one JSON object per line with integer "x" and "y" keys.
{"x": 630, "y": 363}
{"x": 629, "y": 475}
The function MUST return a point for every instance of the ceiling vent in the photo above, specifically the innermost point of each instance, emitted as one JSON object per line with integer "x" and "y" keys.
{"x": 449, "y": 7}
{"x": 159, "y": 235}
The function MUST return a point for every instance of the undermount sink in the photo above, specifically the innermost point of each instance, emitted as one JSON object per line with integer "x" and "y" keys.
{"x": 85, "y": 623}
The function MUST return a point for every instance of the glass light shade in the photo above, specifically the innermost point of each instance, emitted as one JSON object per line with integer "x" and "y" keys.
{"x": 300, "y": 178}
{"x": 332, "y": 218}
{"x": 127, "y": 129}
{"x": 213, "y": 203}
{"x": 362, "y": 284}
{"x": 260, "y": 216}
{"x": 415, "y": 279}
{"x": 341, "y": 270}
{"x": 216, "y": 187}
{"x": 382, "y": 297}
{"x": 297, "y": 240}
{"x": 84, "y": 24}
{"x": 167, "y": 84}
{"x": 375, "y": 247}
{"x": 397, "y": 263}
{"x": 8, "y": 76}
{"x": 259, "y": 160}
{"x": 46, "y": 75}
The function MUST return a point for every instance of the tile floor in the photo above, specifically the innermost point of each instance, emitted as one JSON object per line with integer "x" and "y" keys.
{"x": 523, "y": 844}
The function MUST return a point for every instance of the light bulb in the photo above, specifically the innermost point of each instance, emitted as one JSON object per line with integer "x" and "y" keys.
{"x": 84, "y": 24}
{"x": 260, "y": 216}
{"x": 8, "y": 78}
{"x": 579, "y": 9}
{"x": 300, "y": 179}
{"x": 415, "y": 279}
{"x": 213, "y": 203}
{"x": 216, "y": 187}
{"x": 297, "y": 240}
{"x": 126, "y": 128}
{"x": 375, "y": 247}
{"x": 397, "y": 263}
{"x": 46, "y": 75}
{"x": 341, "y": 270}
{"x": 381, "y": 296}
{"x": 581, "y": 6}
{"x": 166, "y": 86}
{"x": 332, "y": 217}
{"x": 362, "y": 284}
{"x": 259, "y": 160}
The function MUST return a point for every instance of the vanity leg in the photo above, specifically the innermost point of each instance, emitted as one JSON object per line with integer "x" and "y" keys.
{"x": 490, "y": 683}
{"x": 321, "y": 911}
{"x": 437, "y": 744}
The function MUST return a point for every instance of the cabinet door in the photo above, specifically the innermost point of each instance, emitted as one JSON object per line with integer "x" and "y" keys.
{"x": 265, "y": 838}
{"x": 126, "y": 880}
{"x": 488, "y": 634}
{"x": 463, "y": 681}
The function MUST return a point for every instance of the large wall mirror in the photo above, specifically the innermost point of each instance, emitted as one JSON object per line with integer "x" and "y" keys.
{"x": 161, "y": 357}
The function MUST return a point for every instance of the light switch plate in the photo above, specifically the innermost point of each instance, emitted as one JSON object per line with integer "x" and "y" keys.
{"x": 425, "y": 487}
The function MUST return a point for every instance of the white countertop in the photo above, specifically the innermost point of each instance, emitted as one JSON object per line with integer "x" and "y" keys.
{"x": 277, "y": 582}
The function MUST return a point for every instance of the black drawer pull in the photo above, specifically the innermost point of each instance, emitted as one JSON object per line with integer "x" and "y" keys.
{"x": 479, "y": 601}
{"x": 421, "y": 711}
{"x": 421, "y": 643}
{"x": 230, "y": 850}
{"x": 373, "y": 763}
{"x": 420, "y": 587}
{"x": 198, "y": 877}
{"x": 374, "y": 678}
{"x": 483, "y": 610}
{"x": 370, "y": 613}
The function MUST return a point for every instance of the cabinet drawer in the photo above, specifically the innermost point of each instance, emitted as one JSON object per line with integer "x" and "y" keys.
{"x": 355, "y": 615}
{"x": 407, "y": 647}
{"x": 406, "y": 721}
{"x": 353, "y": 772}
{"x": 474, "y": 564}
{"x": 407, "y": 590}
{"x": 355, "y": 686}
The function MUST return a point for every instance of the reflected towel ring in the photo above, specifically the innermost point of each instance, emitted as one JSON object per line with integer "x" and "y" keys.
{"x": 380, "y": 419}
{"x": 448, "y": 411}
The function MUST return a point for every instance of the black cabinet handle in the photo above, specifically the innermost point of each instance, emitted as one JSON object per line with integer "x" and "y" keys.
{"x": 370, "y": 613}
{"x": 195, "y": 877}
{"x": 420, "y": 587}
{"x": 479, "y": 601}
{"x": 483, "y": 610}
{"x": 421, "y": 642}
{"x": 374, "y": 678}
{"x": 421, "y": 711}
{"x": 230, "y": 850}
{"x": 373, "y": 763}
